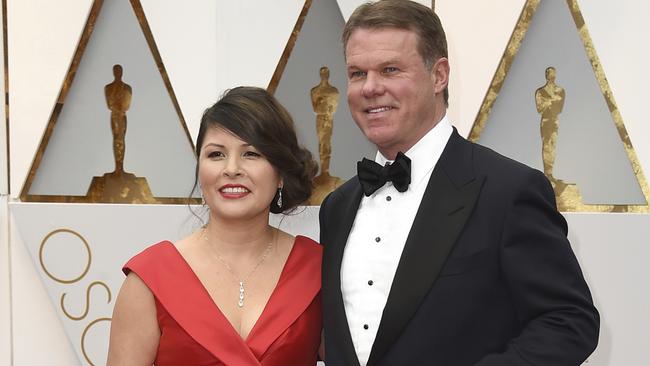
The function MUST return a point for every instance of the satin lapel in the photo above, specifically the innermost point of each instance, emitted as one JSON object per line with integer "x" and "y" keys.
{"x": 187, "y": 301}
{"x": 447, "y": 203}
{"x": 339, "y": 225}
{"x": 297, "y": 287}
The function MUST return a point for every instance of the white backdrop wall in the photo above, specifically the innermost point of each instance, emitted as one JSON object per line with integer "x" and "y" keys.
{"x": 208, "y": 46}
{"x": 4, "y": 183}
{"x": 5, "y": 312}
{"x": 5, "y": 289}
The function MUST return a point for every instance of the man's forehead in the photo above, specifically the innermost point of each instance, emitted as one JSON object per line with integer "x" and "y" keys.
{"x": 384, "y": 43}
{"x": 381, "y": 31}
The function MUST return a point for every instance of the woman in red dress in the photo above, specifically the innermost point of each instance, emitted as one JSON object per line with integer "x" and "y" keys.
{"x": 237, "y": 291}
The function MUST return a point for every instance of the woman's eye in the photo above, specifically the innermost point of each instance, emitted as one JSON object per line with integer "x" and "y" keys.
{"x": 215, "y": 154}
{"x": 252, "y": 154}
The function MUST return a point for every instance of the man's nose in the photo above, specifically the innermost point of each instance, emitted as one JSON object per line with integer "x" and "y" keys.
{"x": 372, "y": 85}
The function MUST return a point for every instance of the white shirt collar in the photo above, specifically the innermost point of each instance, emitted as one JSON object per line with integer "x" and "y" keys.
{"x": 425, "y": 153}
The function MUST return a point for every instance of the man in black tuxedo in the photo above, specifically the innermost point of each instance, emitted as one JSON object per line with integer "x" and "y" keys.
{"x": 442, "y": 252}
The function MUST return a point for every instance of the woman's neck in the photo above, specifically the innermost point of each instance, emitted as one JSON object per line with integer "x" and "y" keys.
{"x": 237, "y": 237}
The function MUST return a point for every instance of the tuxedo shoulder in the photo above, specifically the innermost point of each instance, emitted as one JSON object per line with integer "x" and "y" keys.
{"x": 346, "y": 188}
{"x": 504, "y": 175}
{"x": 340, "y": 195}
{"x": 490, "y": 162}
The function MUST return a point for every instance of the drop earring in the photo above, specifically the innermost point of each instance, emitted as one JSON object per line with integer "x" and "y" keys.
{"x": 279, "y": 203}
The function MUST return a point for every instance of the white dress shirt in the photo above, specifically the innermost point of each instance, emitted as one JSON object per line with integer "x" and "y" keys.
{"x": 377, "y": 238}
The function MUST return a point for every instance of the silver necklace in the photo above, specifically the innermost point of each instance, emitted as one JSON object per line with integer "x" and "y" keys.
{"x": 241, "y": 281}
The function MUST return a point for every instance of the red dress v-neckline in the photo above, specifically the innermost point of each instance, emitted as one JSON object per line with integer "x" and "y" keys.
{"x": 222, "y": 315}
{"x": 181, "y": 294}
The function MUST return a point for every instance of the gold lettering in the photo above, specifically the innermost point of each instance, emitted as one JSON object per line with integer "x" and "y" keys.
{"x": 83, "y": 315}
{"x": 49, "y": 274}
{"x": 83, "y": 337}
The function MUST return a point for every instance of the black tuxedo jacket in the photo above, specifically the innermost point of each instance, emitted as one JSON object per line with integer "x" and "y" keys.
{"x": 487, "y": 275}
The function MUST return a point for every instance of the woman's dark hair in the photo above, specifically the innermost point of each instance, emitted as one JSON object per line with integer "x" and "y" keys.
{"x": 256, "y": 117}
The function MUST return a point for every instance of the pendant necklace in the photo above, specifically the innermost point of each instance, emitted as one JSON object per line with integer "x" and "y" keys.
{"x": 241, "y": 281}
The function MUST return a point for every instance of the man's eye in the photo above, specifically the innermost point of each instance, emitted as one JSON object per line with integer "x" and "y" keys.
{"x": 357, "y": 74}
{"x": 390, "y": 69}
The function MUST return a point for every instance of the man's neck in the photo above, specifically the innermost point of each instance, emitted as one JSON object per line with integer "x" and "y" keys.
{"x": 390, "y": 152}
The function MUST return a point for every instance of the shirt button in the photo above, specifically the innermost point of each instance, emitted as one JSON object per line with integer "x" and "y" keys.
{"x": 365, "y": 326}
{"x": 388, "y": 198}
{"x": 370, "y": 282}
{"x": 377, "y": 239}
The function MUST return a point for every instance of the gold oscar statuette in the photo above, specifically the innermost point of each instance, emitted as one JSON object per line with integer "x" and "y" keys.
{"x": 549, "y": 100}
{"x": 325, "y": 100}
{"x": 119, "y": 186}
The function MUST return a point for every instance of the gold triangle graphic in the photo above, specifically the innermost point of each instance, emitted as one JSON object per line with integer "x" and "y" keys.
{"x": 568, "y": 199}
{"x": 128, "y": 182}
{"x": 286, "y": 54}
{"x": 323, "y": 183}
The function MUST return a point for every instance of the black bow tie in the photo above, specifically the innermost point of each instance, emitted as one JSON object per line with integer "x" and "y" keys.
{"x": 373, "y": 176}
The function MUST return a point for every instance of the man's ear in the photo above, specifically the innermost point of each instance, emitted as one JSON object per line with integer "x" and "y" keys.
{"x": 440, "y": 75}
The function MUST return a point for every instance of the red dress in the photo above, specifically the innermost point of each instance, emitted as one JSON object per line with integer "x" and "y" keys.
{"x": 193, "y": 331}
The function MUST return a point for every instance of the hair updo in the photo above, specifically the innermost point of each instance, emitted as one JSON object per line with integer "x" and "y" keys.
{"x": 256, "y": 117}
